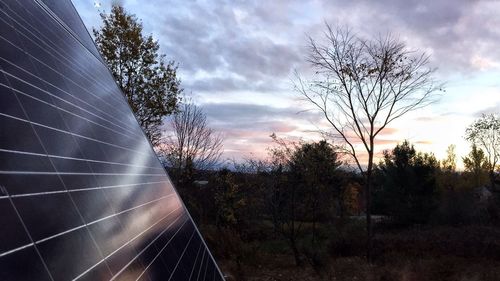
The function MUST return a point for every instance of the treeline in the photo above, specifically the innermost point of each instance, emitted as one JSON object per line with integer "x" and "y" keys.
{"x": 304, "y": 201}
{"x": 306, "y": 196}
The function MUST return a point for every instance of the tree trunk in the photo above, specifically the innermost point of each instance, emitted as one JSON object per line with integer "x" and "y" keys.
{"x": 313, "y": 241}
{"x": 369, "y": 229}
{"x": 295, "y": 251}
{"x": 492, "y": 179}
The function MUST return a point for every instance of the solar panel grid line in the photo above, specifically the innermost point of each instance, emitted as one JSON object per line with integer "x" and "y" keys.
{"x": 180, "y": 258}
{"x": 204, "y": 269}
{"x": 16, "y": 249}
{"x": 88, "y": 34}
{"x": 78, "y": 159}
{"x": 201, "y": 236}
{"x": 86, "y": 40}
{"x": 201, "y": 264}
{"x": 69, "y": 195}
{"x": 118, "y": 215}
{"x": 154, "y": 247}
{"x": 57, "y": 107}
{"x": 130, "y": 241}
{"x": 206, "y": 248}
{"x": 62, "y": 75}
{"x": 69, "y": 15}
{"x": 62, "y": 23}
{"x": 99, "y": 220}
{"x": 31, "y": 239}
{"x": 90, "y": 234}
{"x": 87, "y": 229}
{"x": 160, "y": 252}
{"x": 85, "y": 225}
{"x": 107, "y": 202}
{"x": 205, "y": 272}
{"x": 145, "y": 248}
{"x": 71, "y": 133}
{"x": 32, "y": 28}
{"x": 56, "y": 52}
{"x": 197, "y": 266}
{"x": 76, "y": 190}
{"x": 70, "y": 173}
{"x": 56, "y": 71}
{"x": 16, "y": 90}
{"x": 70, "y": 103}
{"x": 173, "y": 251}
{"x": 195, "y": 260}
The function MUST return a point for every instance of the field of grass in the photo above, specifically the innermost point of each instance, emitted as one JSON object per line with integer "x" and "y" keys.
{"x": 467, "y": 253}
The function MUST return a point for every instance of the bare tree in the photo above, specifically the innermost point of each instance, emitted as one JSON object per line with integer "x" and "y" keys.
{"x": 191, "y": 144}
{"x": 361, "y": 87}
{"x": 485, "y": 134}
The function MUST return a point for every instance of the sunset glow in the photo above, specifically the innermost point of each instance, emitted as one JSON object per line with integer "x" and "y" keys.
{"x": 236, "y": 59}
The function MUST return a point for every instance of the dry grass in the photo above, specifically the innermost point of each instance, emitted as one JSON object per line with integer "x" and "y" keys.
{"x": 442, "y": 253}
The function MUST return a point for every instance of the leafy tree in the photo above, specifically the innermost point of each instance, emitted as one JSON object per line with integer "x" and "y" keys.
{"x": 477, "y": 165}
{"x": 149, "y": 83}
{"x": 285, "y": 198}
{"x": 362, "y": 87}
{"x": 408, "y": 187}
{"x": 448, "y": 178}
{"x": 313, "y": 166}
{"x": 305, "y": 183}
{"x": 450, "y": 163}
{"x": 350, "y": 198}
{"x": 485, "y": 134}
{"x": 228, "y": 200}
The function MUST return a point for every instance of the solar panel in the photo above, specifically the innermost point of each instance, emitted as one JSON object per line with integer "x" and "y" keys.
{"x": 82, "y": 194}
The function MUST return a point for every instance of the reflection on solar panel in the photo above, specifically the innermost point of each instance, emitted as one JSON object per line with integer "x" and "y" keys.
{"x": 82, "y": 194}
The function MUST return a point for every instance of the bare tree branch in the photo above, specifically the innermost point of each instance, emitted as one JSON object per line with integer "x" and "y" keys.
{"x": 191, "y": 142}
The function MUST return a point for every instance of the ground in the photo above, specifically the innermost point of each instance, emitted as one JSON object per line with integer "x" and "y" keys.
{"x": 465, "y": 253}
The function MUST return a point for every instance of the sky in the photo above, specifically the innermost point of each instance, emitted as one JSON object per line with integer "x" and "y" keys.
{"x": 237, "y": 60}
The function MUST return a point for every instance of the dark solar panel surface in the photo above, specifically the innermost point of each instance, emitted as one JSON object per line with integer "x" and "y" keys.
{"x": 82, "y": 194}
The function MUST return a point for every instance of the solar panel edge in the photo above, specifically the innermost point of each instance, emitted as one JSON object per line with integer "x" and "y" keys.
{"x": 196, "y": 230}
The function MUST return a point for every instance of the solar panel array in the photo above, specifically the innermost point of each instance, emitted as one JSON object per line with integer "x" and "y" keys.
{"x": 82, "y": 194}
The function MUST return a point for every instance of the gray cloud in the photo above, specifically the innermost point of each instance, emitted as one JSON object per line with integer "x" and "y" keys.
{"x": 230, "y": 47}
{"x": 459, "y": 35}
{"x": 253, "y": 41}
{"x": 248, "y": 113}
{"x": 247, "y": 127}
{"x": 489, "y": 110}
{"x": 229, "y": 84}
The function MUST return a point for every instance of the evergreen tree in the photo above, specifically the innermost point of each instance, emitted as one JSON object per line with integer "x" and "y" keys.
{"x": 476, "y": 164}
{"x": 408, "y": 186}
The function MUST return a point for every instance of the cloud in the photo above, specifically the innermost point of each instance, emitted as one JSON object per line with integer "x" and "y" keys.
{"x": 243, "y": 52}
{"x": 494, "y": 109}
{"x": 242, "y": 112}
{"x": 459, "y": 35}
{"x": 230, "y": 84}
{"x": 262, "y": 44}
{"x": 247, "y": 127}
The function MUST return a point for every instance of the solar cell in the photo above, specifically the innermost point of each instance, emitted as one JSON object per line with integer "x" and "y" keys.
{"x": 82, "y": 194}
